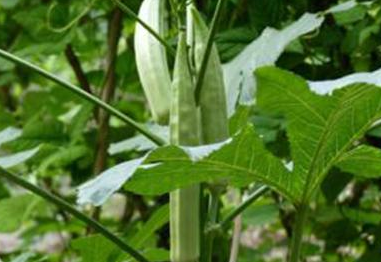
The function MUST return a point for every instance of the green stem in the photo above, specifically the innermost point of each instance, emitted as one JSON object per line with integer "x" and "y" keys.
{"x": 131, "y": 13}
{"x": 208, "y": 49}
{"x": 245, "y": 204}
{"x": 73, "y": 211}
{"x": 85, "y": 95}
{"x": 212, "y": 222}
{"x": 297, "y": 234}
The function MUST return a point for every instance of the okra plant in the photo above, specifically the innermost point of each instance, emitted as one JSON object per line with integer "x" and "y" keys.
{"x": 217, "y": 138}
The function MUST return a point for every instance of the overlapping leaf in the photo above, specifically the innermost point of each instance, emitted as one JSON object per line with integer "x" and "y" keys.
{"x": 240, "y": 161}
{"x": 320, "y": 128}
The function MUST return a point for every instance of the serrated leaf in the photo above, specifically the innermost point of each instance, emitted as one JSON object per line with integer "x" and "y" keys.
{"x": 363, "y": 161}
{"x": 264, "y": 50}
{"x": 232, "y": 162}
{"x": 320, "y": 129}
{"x": 98, "y": 190}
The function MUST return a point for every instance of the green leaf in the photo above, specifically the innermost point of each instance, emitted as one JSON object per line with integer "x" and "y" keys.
{"x": 264, "y": 50}
{"x": 96, "y": 248}
{"x": 9, "y": 134}
{"x": 229, "y": 161}
{"x": 158, "y": 219}
{"x": 328, "y": 86}
{"x": 320, "y": 128}
{"x": 139, "y": 143}
{"x": 64, "y": 156}
{"x": 15, "y": 210}
{"x": 9, "y": 161}
{"x": 363, "y": 161}
{"x": 98, "y": 190}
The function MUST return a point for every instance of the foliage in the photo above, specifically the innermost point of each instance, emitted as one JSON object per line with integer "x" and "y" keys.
{"x": 303, "y": 104}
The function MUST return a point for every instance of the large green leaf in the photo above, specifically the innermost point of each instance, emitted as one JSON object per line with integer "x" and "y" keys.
{"x": 241, "y": 161}
{"x": 320, "y": 128}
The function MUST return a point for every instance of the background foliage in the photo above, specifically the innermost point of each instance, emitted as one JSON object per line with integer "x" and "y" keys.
{"x": 73, "y": 39}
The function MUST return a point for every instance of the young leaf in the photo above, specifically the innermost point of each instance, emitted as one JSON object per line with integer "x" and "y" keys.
{"x": 320, "y": 129}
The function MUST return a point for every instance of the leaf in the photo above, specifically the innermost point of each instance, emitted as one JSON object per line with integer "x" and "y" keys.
{"x": 158, "y": 219}
{"x": 264, "y": 50}
{"x": 98, "y": 190}
{"x": 63, "y": 156}
{"x": 139, "y": 143}
{"x": 320, "y": 128}
{"x": 9, "y": 134}
{"x": 328, "y": 86}
{"x": 18, "y": 158}
{"x": 363, "y": 161}
{"x": 232, "y": 162}
{"x": 361, "y": 216}
{"x": 15, "y": 210}
{"x": 23, "y": 257}
{"x": 96, "y": 248}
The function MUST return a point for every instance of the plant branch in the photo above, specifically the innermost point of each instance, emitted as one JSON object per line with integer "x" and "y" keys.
{"x": 85, "y": 95}
{"x": 132, "y": 14}
{"x": 108, "y": 90}
{"x": 74, "y": 212}
{"x": 208, "y": 49}
{"x": 234, "y": 250}
{"x": 77, "y": 68}
{"x": 245, "y": 204}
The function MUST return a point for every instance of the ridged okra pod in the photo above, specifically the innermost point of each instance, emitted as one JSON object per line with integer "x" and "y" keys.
{"x": 214, "y": 118}
{"x": 151, "y": 59}
{"x": 184, "y": 203}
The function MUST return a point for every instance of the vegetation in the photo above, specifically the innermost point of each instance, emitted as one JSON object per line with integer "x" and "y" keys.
{"x": 196, "y": 131}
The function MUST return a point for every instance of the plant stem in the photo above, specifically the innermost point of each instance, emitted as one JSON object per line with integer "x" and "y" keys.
{"x": 213, "y": 212}
{"x": 85, "y": 95}
{"x": 208, "y": 49}
{"x": 108, "y": 89}
{"x": 74, "y": 212}
{"x": 131, "y": 13}
{"x": 297, "y": 234}
{"x": 77, "y": 68}
{"x": 245, "y": 204}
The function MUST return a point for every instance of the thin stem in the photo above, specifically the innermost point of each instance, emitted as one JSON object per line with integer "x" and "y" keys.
{"x": 297, "y": 234}
{"x": 214, "y": 208}
{"x": 208, "y": 49}
{"x": 245, "y": 204}
{"x": 77, "y": 68}
{"x": 132, "y": 14}
{"x": 85, "y": 95}
{"x": 74, "y": 212}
